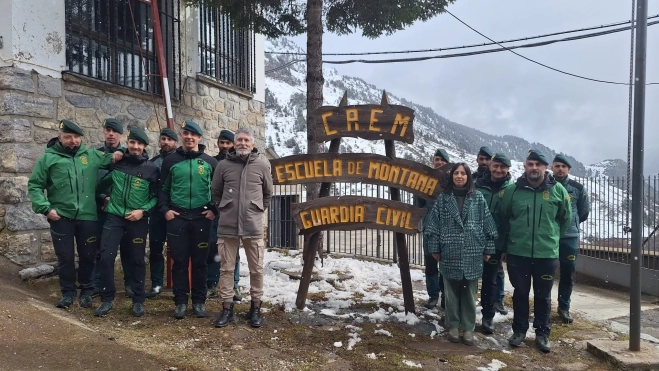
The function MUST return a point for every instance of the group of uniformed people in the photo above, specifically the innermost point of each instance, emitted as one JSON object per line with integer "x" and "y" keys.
{"x": 114, "y": 198}
{"x": 484, "y": 219}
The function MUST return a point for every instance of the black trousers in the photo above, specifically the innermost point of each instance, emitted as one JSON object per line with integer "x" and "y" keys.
{"x": 521, "y": 270}
{"x": 187, "y": 239}
{"x": 84, "y": 233}
{"x": 490, "y": 285}
{"x": 157, "y": 237}
{"x": 132, "y": 238}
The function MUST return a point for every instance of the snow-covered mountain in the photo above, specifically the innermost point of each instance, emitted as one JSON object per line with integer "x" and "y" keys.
{"x": 286, "y": 133}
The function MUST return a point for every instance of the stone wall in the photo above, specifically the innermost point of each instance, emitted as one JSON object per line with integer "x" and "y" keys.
{"x": 31, "y": 106}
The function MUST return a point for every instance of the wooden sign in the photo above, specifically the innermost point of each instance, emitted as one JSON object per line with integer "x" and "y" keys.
{"x": 407, "y": 175}
{"x": 369, "y": 121}
{"x": 356, "y": 212}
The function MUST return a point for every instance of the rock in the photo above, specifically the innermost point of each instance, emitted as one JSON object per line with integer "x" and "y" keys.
{"x": 214, "y": 92}
{"x": 81, "y": 101}
{"x": 15, "y": 130}
{"x": 43, "y": 136}
{"x": 233, "y": 97}
{"x": 73, "y": 87}
{"x": 17, "y": 79}
{"x": 19, "y": 158}
{"x": 36, "y": 272}
{"x": 140, "y": 111}
{"x": 48, "y": 252}
{"x": 13, "y": 190}
{"x": 242, "y": 106}
{"x": 22, "y": 218}
{"x": 202, "y": 89}
{"x": 111, "y": 105}
{"x": 219, "y": 106}
{"x": 46, "y": 125}
{"x": 17, "y": 104}
{"x": 65, "y": 111}
{"x": 87, "y": 118}
{"x": 50, "y": 86}
{"x": 209, "y": 104}
{"x": 130, "y": 122}
{"x": 19, "y": 248}
{"x": 190, "y": 86}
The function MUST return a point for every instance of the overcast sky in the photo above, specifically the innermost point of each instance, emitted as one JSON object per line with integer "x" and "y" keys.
{"x": 502, "y": 93}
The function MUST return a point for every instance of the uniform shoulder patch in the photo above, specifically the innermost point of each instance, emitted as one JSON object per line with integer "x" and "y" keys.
{"x": 501, "y": 193}
{"x": 545, "y": 195}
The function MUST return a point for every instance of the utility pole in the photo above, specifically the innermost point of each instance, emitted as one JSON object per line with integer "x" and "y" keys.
{"x": 637, "y": 176}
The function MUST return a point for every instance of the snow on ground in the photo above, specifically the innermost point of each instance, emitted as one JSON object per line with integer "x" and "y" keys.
{"x": 409, "y": 363}
{"x": 495, "y": 365}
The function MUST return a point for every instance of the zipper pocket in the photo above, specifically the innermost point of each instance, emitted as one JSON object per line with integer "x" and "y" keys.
{"x": 528, "y": 217}
{"x": 540, "y": 219}
{"x": 70, "y": 183}
{"x": 83, "y": 180}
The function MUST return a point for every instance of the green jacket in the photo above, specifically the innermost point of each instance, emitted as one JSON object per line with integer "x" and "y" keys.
{"x": 461, "y": 238}
{"x": 69, "y": 181}
{"x": 134, "y": 184}
{"x": 490, "y": 191}
{"x": 580, "y": 205}
{"x": 100, "y": 197}
{"x": 534, "y": 219}
{"x": 186, "y": 178}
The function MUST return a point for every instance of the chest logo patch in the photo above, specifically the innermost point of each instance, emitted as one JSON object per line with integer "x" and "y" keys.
{"x": 200, "y": 169}
{"x": 545, "y": 195}
{"x": 83, "y": 160}
{"x": 137, "y": 183}
{"x": 501, "y": 192}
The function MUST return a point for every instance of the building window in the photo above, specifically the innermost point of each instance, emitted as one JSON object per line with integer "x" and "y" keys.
{"x": 226, "y": 54}
{"x": 102, "y": 43}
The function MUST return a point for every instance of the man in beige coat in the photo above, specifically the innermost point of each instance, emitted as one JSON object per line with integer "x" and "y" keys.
{"x": 241, "y": 191}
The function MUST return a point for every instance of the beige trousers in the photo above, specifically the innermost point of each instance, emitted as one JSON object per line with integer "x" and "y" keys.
{"x": 254, "y": 249}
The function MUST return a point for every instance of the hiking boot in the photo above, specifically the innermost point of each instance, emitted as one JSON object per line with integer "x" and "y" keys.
{"x": 86, "y": 301}
{"x": 65, "y": 302}
{"x": 104, "y": 308}
{"x": 542, "y": 342}
{"x": 565, "y": 316}
{"x": 500, "y": 308}
{"x": 225, "y": 317}
{"x": 516, "y": 340}
{"x": 155, "y": 291}
{"x": 129, "y": 292}
{"x": 487, "y": 326}
{"x": 237, "y": 296}
{"x": 199, "y": 310}
{"x": 454, "y": 335}
{"x": 468, "y": 338}
{"x": 96, "y": 293}
{"x": 211, "y": 292}
{"x": 254, "y": 314}
{"x": 138, "y": 310}
{"x": 431, "y": 303}
{"x": 179, "y": 311}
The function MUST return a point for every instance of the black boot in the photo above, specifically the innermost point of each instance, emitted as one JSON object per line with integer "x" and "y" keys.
{"x": 255, "y": 314}
{"x": 226, "y": 316}
{"x": 487, "y": 326}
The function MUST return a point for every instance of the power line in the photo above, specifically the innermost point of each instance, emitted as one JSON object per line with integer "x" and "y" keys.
{"x": 467, "y": 46}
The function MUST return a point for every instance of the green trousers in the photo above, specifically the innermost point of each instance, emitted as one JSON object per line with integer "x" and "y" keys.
{"x": 460, "y": 303}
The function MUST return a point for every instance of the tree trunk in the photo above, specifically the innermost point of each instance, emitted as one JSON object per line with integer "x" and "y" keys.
{"x": 315, "y": 82}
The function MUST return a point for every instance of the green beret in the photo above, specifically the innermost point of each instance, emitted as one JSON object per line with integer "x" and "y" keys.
{"x": 192, "y": 127}
{"x": 502, "y": 158}
{"x": 167, "y": 132}
{"x": 485, "y": 151}
{"x": 139, "y": 135}
{"x": 536, "y": 155}
{"x": 227, "y": 135}
{"x": 562, "y": 158}
{"x": 442, "y": 153}
{"x": 66, "y": 126}
{"x": 113, "y": 124}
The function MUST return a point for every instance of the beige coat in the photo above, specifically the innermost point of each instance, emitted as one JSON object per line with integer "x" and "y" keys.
{"x": 241, "y": 191}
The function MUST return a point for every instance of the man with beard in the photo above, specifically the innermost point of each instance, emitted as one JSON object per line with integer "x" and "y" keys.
{"x": 569, "y": 245}
{"x": 483, "y": 160}
{"x": 168, "y": 141}
{"x": 434, "y": 280}
{"x": 134, "y": 182}
{"x": 67, "y": 172}
{"x": 113, "y": 129}
{"x": 185, "y": 199}
{"x": 242, "y": 189}
{"x": 534, "y": 213}
{"x": 225, "y": 145}
{"x": 494, "y": 179}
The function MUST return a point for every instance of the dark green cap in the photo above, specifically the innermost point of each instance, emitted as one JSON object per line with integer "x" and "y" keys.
{"x": 227, "y": 135}
{"x": 139, "y": 135}
{"x": 562, "y": 158}
{"x": 536, "y": 155}
{"x": 502, "y": 158}
{"x": 169, "y": 133}
{"x": 113, "y": 124}
{"x": 192, "y": 127}
{"x": 485, "y": 151}
{"x": 442, "y": 153}
{"x": 66, "y": 126}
